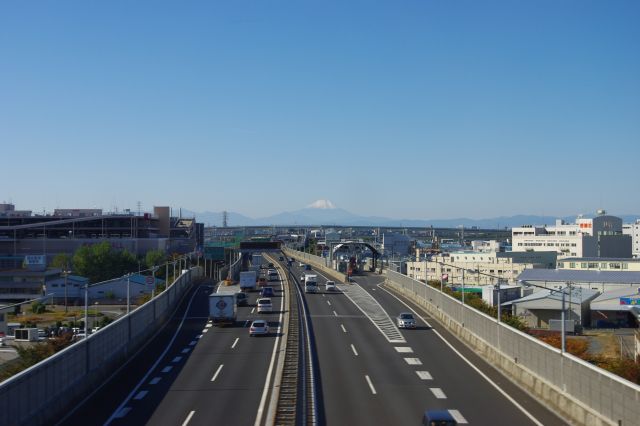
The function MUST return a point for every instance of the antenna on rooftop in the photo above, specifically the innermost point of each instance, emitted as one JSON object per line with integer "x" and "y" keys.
{"x": 139, "y": 207}
{"x": 225, "y": 218}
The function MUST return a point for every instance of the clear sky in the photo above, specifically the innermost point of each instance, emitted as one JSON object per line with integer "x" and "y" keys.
{"x": 405, "y": 109}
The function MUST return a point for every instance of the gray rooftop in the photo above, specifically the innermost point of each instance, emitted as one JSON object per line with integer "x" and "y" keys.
{"x": 563, "y": 275}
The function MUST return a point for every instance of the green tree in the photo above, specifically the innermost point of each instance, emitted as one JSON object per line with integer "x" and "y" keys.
{"x": 102, "y": 262}
{"x": 154, "y": 257}
{"x": 61, "y": 260}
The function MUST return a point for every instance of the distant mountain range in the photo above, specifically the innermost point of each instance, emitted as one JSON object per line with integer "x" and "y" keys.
{"x": 323, "y": 212}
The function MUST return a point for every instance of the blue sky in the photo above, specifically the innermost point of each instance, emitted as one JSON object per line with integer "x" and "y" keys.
{"x": 410, "y": 109}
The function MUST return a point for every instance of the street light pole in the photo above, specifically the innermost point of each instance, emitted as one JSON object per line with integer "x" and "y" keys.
{"x": 86, "y": 310}
{"x": 128, "y": 293}
{"x": 562, "y": 326}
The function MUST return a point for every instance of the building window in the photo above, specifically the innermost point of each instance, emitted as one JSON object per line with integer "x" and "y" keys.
{"x": 572, "y": 265}
{"x": 614, "y": 265}
{"x": 583, "y": 265}
{"x": 603, "y": 265}
{"x": 560, "y": 264}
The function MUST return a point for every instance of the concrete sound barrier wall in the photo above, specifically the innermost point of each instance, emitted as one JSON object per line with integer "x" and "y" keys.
{"x": 45, "y": 392}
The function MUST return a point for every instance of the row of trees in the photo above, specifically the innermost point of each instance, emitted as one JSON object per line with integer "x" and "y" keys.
{"x": 100, "y": 262}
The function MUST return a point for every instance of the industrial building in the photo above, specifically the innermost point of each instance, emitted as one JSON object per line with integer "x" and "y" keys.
{"x": 633, "y": 229}
{"x": 600, "y": 236}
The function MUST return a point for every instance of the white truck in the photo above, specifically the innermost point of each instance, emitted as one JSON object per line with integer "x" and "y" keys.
{"x": 248, "y": 280}
{"x": 222, "y": 307}
{"x": 310, "y": 283}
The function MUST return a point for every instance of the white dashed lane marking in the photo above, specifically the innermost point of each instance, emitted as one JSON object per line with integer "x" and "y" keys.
{"x": 373, "y": 390}
{"x": 186, "y": 421}
{"x": 166, "y": 369}
{"x": 186, "y": 350}
{"x": 437, "y": 392}
{"x": 458, "y": 417}
{"x": 404, "y": 349}
{"x": 215, "y": 376}
{"x": 193, "y": 343}
{"x": 353, "y": 348}
{"x": 123, "y": 412}
{"x": 155, "y": 381}
{"x": 413, "y": 361}
{"x": 177, "y": 359}
{"x": 235, "y": 343}
{"x": 424, "y": 375}
{"x": 344, "y": 330}
{"x": 141, "y": 395}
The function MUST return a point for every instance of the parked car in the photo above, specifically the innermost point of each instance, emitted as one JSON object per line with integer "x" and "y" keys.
{"x": 438, "y": 418}
{"x": 241, "y": 299}
{"x": 270, "y": 265}
{"x": 406, "y": 320}
{"x": 264, "y": 305}
{"x": 330, "y": 286}
{"x": 267, "y": 292}
{"x": 258, "y": 328}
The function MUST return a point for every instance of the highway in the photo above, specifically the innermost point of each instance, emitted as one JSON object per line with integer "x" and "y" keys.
{"x": 193, "y": 373}
{"x": 372, "y": 373}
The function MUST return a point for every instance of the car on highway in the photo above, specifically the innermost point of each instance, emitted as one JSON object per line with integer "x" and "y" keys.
{"x": 267, "y": 292}
{"x": 273, "y": 275}
{"x": 262, "y": 281}
{"x": 281, "y": 258}
{"x": 330, "y": 286}
{"x": 301, "y": 264}
{"x": 259, "y": 328}
{"x": 438, "y": 418}
{"x": 302, "y": 278}
{"x": 242, "y": 299}
{"x": 406, "y": 320}
{"x": 270, "y": 265}
{"x": 264, "y": 305}
{"x": 307, "y": 267}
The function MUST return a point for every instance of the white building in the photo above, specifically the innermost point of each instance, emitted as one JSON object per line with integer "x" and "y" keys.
{"x": 479, "y": 268}
{"x": 633, "y": 229}
{"x": 600, "y": 236}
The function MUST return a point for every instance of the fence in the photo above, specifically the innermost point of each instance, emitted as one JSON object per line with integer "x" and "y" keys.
{"x": 575, "y": 389}
{"x": 44, "y": 392}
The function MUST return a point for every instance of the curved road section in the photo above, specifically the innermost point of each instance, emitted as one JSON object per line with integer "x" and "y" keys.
{"x": 192, "y": 373}
{"x": 370, "y": 375}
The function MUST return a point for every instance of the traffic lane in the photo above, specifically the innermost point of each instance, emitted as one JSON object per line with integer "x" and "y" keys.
{"x": 151, "y": 393}
{"x": 373, "y": 384}
{"x": 99, "y": 406}
{"x": 221, "y": 373}
{"x": 460, "y": 379}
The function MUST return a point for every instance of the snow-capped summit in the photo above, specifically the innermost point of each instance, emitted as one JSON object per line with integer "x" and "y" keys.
{"x": 321, "y": 204}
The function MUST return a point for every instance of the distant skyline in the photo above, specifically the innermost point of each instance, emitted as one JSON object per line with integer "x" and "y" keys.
{"x": 407, "y": 110}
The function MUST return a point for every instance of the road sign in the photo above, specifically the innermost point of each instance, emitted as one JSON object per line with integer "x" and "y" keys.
{"x": 214, "y": 253}
{"x": 445, "y": 277}
{"x": 149, "y": 280}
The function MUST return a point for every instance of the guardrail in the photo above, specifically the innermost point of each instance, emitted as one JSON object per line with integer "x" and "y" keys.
{"x": 575, "y": 389}
{"x": 44, "y": 392}
{"x": 318, "y": 262}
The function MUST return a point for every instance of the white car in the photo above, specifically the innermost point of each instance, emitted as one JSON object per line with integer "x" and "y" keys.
{"x": 406, "y": 320}
{"x": 264, "y": 305}
{"x": 330, "y": 286}
{"x": 301, "y": 264}
{"x": 259, "y": 327}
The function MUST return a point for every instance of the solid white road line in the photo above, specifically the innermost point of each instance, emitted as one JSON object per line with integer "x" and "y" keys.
{"x": 141, "y": 395}
{"x": 353, "y": 348}
{"x": 199, "y": 336}
{"x": 155, "y": 380}
{"x": 437, "y": 392}
{"x": 424, "y": 375}
{"x": 484, "y": 376}
{"x": 458, "y": 417}
{"x": 235, "y": 343}
{"x": 213, "y": 379}
{"x": 413, "y": 361}
{"x": 403, "y": 349}
{"x": 267, "y": 382}
{"x": 344, "y": 330}
{"x": 166, "y": 369}
{"x": 373, "y": 390}
{"x": 186, "y": 421}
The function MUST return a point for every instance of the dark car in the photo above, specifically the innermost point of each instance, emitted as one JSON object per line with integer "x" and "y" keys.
{"x": 267, "y": 292}
{"x": 241, "y": 299}
{"x": 281, "y": 258}
{"x": 270, "y": 265}
{"x": 307, "y": 267}
{"x": 438, "y": 418}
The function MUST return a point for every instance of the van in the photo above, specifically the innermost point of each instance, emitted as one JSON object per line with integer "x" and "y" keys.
{"x": 330, "y": 286}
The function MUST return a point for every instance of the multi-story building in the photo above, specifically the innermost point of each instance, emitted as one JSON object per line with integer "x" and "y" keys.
{"x": 49, "y": 235}
{"x": 479, "y": 268}
{"x": 600, "y": 236}
{"x": 394, "y": 244}
{"x": 599, "y": 264}
{"x": 633, "y": 229}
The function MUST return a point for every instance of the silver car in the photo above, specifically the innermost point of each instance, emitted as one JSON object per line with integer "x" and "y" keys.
{"x": 406, "y": 320}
